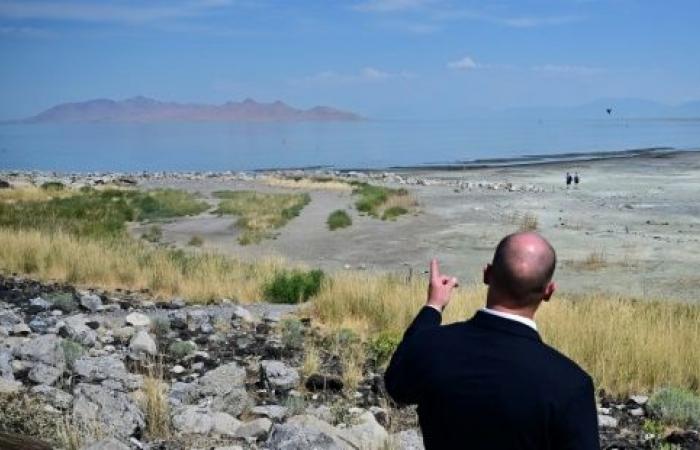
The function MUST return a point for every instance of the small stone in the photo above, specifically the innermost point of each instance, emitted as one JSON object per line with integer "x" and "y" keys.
{"x": 21, "y": 329}
{"x": 274, "y": 412}
{"x": 91, "y": 302}
{"x": 38, "y": 325}
{"x": 138, "y": 320}
{"x": 38, "y": 304}
{"x": 142, "y": 342}
{"x": 605, "y": 421}
{"x": 636, "y": 412}
{"x": 641, "y": 400}
{"x": 243, "y": 314}
{"x": 257, "y": 428}
{"x": 177, "y": 369}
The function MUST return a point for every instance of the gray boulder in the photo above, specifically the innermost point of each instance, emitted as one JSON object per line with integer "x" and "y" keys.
{"x": 224, "y": 424}
{"x": 9, "y": 318}
{"x": 278, "y": 375}
{"x": 243, "y": 314}
{"x": 91, "y": 302}
{"x": 96, "y": 369}
{"x": 143, "y": 343}
{"x": 39, "y": 304}
{"x": 192, "y": 419}
{"x": 139, "y": 320}
{"x": 407, "y": 440}
{"x": 366, "y": 433}
{"x": 45, "y": 349}
{"x": 255, "y": 429}
{"x": 274, "y": 412}
{"x": 57, "y": 398}
{"x": 305, "y": 432}
{"x": 107, "y": 444}
{"x": 113, "y": 410}
{"x": 44, "y": 374}
{"x": 225, "y": 386}
{"x": 76, "y": 328}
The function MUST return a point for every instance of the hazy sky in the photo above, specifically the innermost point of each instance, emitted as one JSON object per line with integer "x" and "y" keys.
{"x": 381, "y": 58}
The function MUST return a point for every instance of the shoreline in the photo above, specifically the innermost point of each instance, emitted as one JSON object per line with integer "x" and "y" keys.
{"x": 524, "y": 161}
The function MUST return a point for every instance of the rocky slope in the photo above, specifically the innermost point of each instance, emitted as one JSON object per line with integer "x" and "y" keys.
{"x": 232, "y": 377}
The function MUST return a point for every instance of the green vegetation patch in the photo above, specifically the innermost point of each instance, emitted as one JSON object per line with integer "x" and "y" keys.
{"x": 338, "y": 219}
{"x": 293, "y": 286}
{"x": 102, "y": 213}
{"x": 383, "y": 345}
{"x": 260, "y": 213}
{"x": 382, "y": 202}
{"x": 53, "y": 186}
{"x": 676, "y": 406}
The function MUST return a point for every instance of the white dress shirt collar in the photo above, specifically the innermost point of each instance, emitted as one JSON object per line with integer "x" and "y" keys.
{"x": 524, "y": 320}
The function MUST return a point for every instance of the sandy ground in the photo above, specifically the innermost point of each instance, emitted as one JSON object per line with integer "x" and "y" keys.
{"x": 640, "y": 217}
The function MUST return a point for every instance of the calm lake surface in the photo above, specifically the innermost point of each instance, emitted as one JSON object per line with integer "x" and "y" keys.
{"x": 370, "y": 144}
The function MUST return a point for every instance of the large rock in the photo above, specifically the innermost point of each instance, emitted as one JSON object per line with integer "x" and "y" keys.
{"x": 191, "y": 419}
{"x": 137, "y": 319}
{"x": 9, "y": 318}
{"x": 274, "y": 412}
{"x": 111, "y": 409}
{"x": 108, "y": 444}
{"x": 101, "y": 368}
{"x": 255, "y": 429}
{"x": 142, "y": 343}
{"x": 9, "y": 386}
{"x": 91, "y": 302}
{"x": 243, "y": 314}
{"x": 407, "y": 440}
{"x": 77, "y": 329}
{"x": 45, "y": 349}
{"x": 225, "y": 386}
{"x": 44, "y": 374}
{"x": 305, "y": 432}
{"x": 57, "y": 398}
{"x": 278, "y": 375}
{"x": 366, "y": 433}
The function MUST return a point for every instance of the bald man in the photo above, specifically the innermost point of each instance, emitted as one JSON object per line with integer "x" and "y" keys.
{"x": 490, "y": 383}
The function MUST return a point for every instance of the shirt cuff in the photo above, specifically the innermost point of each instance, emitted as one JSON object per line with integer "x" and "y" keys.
{"x": 436, "y": 308}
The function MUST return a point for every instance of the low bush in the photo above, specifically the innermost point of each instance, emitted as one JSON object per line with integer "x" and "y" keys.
{"x": 53, "y": 186}
{"x": 676, "y": 406}
{"x": 292, "y": 334}
{"x": 181, "y": 349}
{"x": 338, "y": 219}
{"x": 294, "y": 286}
{"x": 154, "y": 234}
{"x": 394, "y": 212}
{"x": 196, "y": 241}
{"x": 63, "y": 301}
{"x": 72, "y": 351}
{"x": 383, "y": 345}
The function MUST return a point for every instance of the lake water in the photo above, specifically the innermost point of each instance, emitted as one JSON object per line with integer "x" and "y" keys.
{"x": 370, "y": 144}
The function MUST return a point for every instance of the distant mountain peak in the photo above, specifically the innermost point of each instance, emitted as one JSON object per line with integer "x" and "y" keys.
{"x": 145, "y": 110}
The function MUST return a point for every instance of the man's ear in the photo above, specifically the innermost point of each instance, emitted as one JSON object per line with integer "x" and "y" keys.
{"x": 487, "y": 274}
{"x": 549, "y": 291}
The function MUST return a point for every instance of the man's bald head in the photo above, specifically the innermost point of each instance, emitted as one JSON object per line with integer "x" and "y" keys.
{"x": 522, "y": 267}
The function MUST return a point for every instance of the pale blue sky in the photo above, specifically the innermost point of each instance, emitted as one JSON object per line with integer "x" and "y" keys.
{"x": 381, "y": 58}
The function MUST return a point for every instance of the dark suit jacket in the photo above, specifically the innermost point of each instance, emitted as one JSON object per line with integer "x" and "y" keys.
{"x": 491, "y": 384}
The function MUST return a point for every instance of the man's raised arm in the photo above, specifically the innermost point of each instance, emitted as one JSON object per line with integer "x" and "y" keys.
{"x": 402, "y": 378}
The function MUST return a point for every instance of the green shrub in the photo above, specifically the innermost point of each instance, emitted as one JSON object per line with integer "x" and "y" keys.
{"x": 292, "y": 334}
{"x": 53, "y": 186}
{"x": 160, "y": 326}
{"x": 338, "y": 219}
{"x": 196, "y": 241}
{"x": 153, "y": 234}
{"x": 394, "y": 212}
{"x": 293, "y": 286}
{"x": 63, "y": 301}
{"x": 676, "y": 406}
{"x": 383, "y": 345}
{"x": 181, "y": 349}
{"x": 72, "y": 351}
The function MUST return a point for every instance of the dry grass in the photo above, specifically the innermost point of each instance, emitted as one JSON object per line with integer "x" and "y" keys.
{"x": 407, "y": 201}
{"x": 154, "y": 402}
{"x": 312, "y": 359}
{"x": 595, "y": 260}
{"x": 132, "y": 265}
{"x": 32, "y": 194}
{"x": 627, "y": 346}
{"x": 308, "y": 184}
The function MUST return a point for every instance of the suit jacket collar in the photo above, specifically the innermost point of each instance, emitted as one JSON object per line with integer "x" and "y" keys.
{"x": 489, "y": 321}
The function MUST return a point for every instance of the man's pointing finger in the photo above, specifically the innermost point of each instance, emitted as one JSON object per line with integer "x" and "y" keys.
{"x": 434, "y": 270}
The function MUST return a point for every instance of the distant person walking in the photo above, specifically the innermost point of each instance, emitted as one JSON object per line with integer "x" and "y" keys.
{"x": 576, "y": 178}
{"x": 490, "y": 383}
{"x": 569, "y": 178}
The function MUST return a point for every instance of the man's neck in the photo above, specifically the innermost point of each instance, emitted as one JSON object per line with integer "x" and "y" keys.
{"x": 528, "y": 312}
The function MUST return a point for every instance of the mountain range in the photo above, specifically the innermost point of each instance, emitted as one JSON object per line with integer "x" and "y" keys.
{"x": 147, "y": 110}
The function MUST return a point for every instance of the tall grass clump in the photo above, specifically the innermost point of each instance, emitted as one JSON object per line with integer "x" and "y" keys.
{"x": 293, "y": 286}
{"x": 338, "y": 219}
{"x": 260, "y": 213}
{"x": 628, "y": 346}
{"x": 376, "y": 200}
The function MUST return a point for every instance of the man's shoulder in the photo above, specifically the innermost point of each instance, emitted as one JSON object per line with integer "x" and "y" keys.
{"x": 564, "y": 368}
